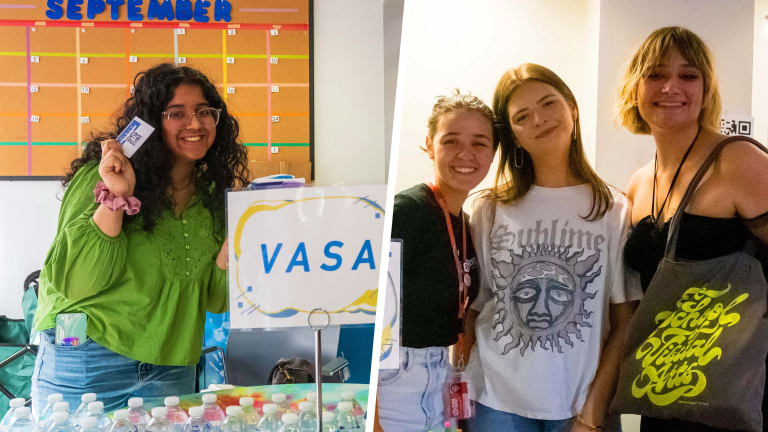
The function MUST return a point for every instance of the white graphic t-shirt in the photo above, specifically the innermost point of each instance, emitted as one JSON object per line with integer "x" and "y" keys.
{"x": 547, "y": 278}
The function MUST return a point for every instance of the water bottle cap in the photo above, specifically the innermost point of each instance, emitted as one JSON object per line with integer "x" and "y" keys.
{"x": 171, "y": 401}
{"x": 278, "y": 397}
{"x": 121, "y": 414}
{"x": 312, "y": 396}
{"x": 135, "y": 402}
{"x": 55, "y": 397}
{"x": 209, "y": 398}
{"x": 269, "y": 409}
{"x": 22, "y": 412}
{"x": 305, "y": 406}
{"x": 17, "y": 402}
{"x": 61, "y": 406}
{"x": 345, "y": 406}
{"x": 88, "y": 397}
{"x": 60, "y": 417}
{"x": 234, "y": 411}
{"x": 290, "y": 418}
{"x": 328, "y": 417}
{"x": 88, "y": 422}
{"x": 246, "y": 401}
{"x": 95, "y": 407}
{"x": 159, "y": 412}
{"x": 348, "y": 395}
{"x": 196, "y": 411}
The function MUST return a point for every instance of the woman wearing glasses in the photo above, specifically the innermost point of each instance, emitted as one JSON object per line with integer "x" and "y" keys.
{"x": 145, "y": 259}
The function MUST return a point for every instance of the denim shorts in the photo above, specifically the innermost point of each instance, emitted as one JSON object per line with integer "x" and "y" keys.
{"x": 91, "y": 368}
{"x": 410, "y": 399}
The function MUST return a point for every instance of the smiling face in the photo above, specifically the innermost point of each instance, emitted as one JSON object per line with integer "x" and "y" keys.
{"x": 190, "y": 141}
{"x": 541, "y": 119}
{"x": 670, "y": 95}
{"x": 462, "y": 150}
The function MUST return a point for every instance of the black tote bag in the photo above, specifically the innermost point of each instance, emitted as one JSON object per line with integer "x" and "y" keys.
{"x": 696, "y": 346}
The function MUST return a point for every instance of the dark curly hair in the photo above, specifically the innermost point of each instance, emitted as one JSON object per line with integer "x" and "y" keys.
{"x": 225, "y": 164}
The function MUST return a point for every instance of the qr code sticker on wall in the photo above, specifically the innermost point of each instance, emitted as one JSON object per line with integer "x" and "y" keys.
{"x": 732, "y": 124}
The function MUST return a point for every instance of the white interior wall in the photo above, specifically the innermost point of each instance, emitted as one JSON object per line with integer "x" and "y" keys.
{"x": 760, "y": 72}
{"x": 468, "y": 45}
{"x": 349, "y": 137}
{"x": 623, "y": 26}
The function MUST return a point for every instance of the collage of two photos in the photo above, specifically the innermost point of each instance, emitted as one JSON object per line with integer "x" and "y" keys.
{"x": 388, "y": 215}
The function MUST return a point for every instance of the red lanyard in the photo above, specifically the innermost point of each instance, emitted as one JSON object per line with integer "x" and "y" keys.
{"x": 463, "y": 276}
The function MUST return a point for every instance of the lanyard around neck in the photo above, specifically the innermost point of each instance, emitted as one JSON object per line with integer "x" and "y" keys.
{"x": 460, "y": 274}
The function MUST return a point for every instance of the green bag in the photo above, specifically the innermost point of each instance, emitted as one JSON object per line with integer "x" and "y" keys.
{"x": 16, "y": 376}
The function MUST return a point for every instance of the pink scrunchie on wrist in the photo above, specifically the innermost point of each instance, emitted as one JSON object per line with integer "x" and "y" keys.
{"x": 131, "y": 205}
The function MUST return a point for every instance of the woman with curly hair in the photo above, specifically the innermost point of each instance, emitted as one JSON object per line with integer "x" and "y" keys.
{"x": 143, "y": 279}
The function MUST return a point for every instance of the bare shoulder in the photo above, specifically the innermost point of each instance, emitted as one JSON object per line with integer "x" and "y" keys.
{"x": 743, "y": 167}
{"x": 640, "y": 178}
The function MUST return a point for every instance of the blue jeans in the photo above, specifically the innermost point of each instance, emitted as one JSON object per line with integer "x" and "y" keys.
{"x": 410, "y": 399}
{"x": 489, "y": 419}
{"x": 91, "y": 368}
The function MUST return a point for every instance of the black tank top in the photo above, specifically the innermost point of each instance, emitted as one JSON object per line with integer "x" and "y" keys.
{"x": 700, "y": 238}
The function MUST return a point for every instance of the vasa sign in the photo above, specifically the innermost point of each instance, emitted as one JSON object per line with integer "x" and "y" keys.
{"x": 294, "y": 250}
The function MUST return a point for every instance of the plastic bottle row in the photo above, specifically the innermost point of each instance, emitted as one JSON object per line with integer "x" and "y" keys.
{"x": 275, "y": 417}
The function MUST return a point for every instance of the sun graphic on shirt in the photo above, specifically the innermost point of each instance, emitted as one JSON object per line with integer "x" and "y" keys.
{"x": 540, "y": 297}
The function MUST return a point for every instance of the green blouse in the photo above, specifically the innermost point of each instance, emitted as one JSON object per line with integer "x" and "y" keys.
{"x": 145, "y": 294}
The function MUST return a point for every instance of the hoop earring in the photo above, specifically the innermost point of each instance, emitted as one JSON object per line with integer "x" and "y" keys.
{"x": 518, "y": 160}
{"x": 573, "y": 135}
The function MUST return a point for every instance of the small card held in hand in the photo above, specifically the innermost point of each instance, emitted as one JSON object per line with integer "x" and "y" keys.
{"x": 134, "y": 135}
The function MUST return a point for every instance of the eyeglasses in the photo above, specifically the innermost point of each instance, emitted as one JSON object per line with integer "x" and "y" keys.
{"x": 180, "y": 118}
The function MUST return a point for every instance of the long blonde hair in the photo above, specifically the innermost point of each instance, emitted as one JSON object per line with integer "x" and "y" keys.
{"x": 512, "y": 183}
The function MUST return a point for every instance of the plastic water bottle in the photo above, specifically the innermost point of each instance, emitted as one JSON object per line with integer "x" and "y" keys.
{"x": 175, "y": 414}
{"x": 82, "y": 410}
{"x": 138, "y": 415}
{"x": 89, "y": 424}
{"x": 22, "y": 421}
{"x": 329, "y": 422}
{"x": 345, "y": 420}
{"x": 234, "y": 421}
{"x": 282, "y": 405}
{"x": 212, "y": 413}
{"x": 357, "y": 410}
{"x": 8, "y": 418}
{"x": 96, "y": 409}
{"x": 270, "y": 423}
{"x": 290, "y": 423}
{"x": 47, "y": 412}
{"x": 59, "y": 422}
{"x": 159, "y": 422}
{"x": 250, "y": 416}
{"x": 196, "y": 422}
{"x": 122, "y": 422}
{"x": 57, "y": 407}
{"x": 307, "y": 417}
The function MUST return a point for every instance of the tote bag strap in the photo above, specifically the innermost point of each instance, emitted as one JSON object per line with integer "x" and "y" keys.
{"x": 674, "y": 225}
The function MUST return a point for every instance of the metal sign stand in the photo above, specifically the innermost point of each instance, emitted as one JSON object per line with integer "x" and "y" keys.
{"x": 318, "y": 320}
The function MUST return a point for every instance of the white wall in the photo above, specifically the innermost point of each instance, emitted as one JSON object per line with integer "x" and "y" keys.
{"x": 468, "y": 45}
{"x": 349, "y": 137}
{"x": 760, "y": 72}
{"x": 623, "y": 26}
